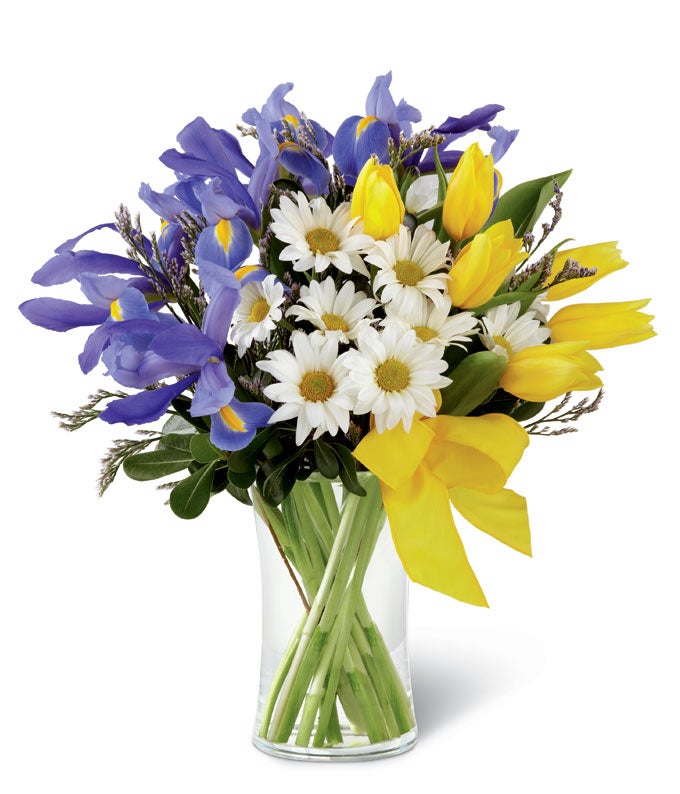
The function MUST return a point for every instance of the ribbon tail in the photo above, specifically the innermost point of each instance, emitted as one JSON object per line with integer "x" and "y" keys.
{"x": 426, "y": 539}
{"x": 503, "y": 515}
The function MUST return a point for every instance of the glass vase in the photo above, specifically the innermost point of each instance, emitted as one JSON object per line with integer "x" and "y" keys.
{"x": 334, "y": 675}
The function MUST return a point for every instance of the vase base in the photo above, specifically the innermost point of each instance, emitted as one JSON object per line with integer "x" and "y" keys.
{"x": 353, "y": 749}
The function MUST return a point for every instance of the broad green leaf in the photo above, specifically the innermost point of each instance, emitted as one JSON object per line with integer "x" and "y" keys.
{"x": 280, "y": 482}
{"x": 326, "y": 460}
{"x": 240, "y": 494}
{"x": 474, "y": 381}
{"x": 348, "y": 470}
{"x": 526, "y": 410}
{"x": 524, "y": 204}
{"x": 244, "y": 459}
{"x": 179, "y": 442}
{"x": 189, "y": 498}
{"x": 176, "y": 424}
{"x": 203, "y": 450}
{"x": 158, "y": 463}
{"x": 242, "y": 479}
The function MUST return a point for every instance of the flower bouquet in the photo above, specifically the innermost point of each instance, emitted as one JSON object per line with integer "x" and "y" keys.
{"x": 351, "y": 331}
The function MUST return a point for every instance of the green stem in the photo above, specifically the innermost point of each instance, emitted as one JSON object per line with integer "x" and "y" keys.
{"x": 314, "y": 634}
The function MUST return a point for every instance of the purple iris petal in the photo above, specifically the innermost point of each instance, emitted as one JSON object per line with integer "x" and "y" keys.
{"x": 60, "y": 315}
{"x": 64, "y": 267}
{"x": 215, "y": 278}
{"x": 227, "y": 244}
{"x": 207, "y": 152}
{"x": 226, "y": 198}
{"x": 102, "y": 290}
{"x": 502, "y": 139}
{"x": 214, "y": 389}
{"x": 69, "y": 245}
{"x": 351, "y": 150}
{"x": 303, "y": 163}
{"x": 218, "y": 315}
{"x": 186, "y": 344}
{"x": 245, "y": 419}
{"x": 478, "y": 119}
{"x": 146, "y": 406}
{"x": 129, "y": 360}
{"x": 380, "y": 104}
{"x": 449, "y": 161}
{"x": 94, "y": 346}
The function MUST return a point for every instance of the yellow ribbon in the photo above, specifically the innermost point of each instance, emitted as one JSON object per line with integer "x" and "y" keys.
{"x": 465, "y": 460}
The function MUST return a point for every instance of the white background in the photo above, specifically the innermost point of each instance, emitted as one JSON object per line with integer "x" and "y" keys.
{"x": 129, "y": 640}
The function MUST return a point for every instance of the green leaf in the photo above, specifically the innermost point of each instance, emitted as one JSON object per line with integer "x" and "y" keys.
{"x": 179, "y": 442}
{"x": 442, "y": 185}
{"x": 158, "y": 463}
{"x": 474, "y": 381}
{"x": 203, "y": 450}
{"x": 242, "y": 479}
{"x": 189, "y": 498}
{"x": 326, "y": 461}
{"x": 280, "y": 482}
{"x": 524, "y": 298}
{"x": 240, "y": 494}
{"x": 244, "y": 459}
{"x": 348, "y": 470}
{"x": 524, "y": 204}
{"x": 527, "y": 410}
{"x": 176, "y": 424}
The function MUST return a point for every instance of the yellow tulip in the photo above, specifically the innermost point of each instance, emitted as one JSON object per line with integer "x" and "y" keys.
{"x": 376, "y": 201}
{"x": 470, "y": 194}
{"x": 543, "y": 372}
{"x": 602, "y": 324}
{"x": 605, "y": 257}
{"x": 483, "y": 264}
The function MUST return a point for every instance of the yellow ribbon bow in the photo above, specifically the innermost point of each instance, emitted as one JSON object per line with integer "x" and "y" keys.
{"x": 462, "y": 459}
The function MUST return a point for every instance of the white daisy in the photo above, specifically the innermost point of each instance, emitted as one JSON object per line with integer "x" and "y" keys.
{"x": 313, "y": 386}
{"x": 407, "y": 268}
{"x": 258, "y": 312}
{"x": 432, "y": 323}
{"x": 506, "y": 334}
{"x": 318, "y": 238}
{"x": 394, "y": 375}
{"x": 333, "y": 313}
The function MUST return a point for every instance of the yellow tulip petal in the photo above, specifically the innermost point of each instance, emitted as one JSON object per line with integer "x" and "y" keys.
{"x": 503, "y": 515}
{"x": 427, "y": 540}
{"x": 543, "y": 372}
{"x": 606, "y": 257}
{"x": 394, "y": 455}
{"x": 602, "y": 324}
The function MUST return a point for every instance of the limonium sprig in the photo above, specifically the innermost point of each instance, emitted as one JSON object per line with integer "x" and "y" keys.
{"x": 327, "y": 301}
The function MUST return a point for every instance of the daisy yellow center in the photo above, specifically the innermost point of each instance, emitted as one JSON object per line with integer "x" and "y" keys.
{"x": 334, "y": 322}
{"x": 424, "y": 333}
{"x": 322, "y": 241}
{"x": 501, "y": 341}
{"x": 259, "y": 311}
{"x": 392, "y": 375}
{"x": 408, "y": 273}
{"x": 317, "y": 386}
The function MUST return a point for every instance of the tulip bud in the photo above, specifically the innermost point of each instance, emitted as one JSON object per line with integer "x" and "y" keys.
{"x": 543, "y": 372}
{"x": 604, "y": 258}
{"x": 469, "y": 195}
{"x": 376, "y": 201}
{"x": 602, "y": 324}
{"x": 482, "y": 265}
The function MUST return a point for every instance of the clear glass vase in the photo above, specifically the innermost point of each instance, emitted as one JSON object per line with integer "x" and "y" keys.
{"x": 334, "y": 675}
